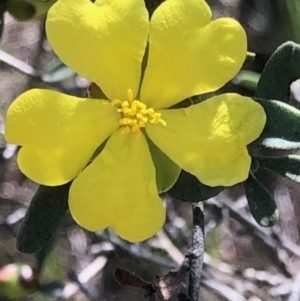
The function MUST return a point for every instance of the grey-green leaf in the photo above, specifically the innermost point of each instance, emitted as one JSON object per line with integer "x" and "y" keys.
{"x": 280, "y": 71}
{"x": 282, "y": 130}
{"x": 189, "y": 189}
{"x": 261, "y": 204}
{"x": 287, "y": 166}
{"x": 46, "y": 210}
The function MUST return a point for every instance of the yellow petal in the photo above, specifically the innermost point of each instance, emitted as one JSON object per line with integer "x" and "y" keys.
{"x": 188, "y": 54}
{"x": 58, "y": 132}
{"x": 104, "y": 42}
{"x": 118, "y": 190}
{"x": 209, "y": 139}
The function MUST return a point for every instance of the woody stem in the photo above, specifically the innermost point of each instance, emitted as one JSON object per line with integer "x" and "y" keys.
{"x": 197, "y": 251}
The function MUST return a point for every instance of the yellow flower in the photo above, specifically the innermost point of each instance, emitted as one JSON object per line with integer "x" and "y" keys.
{"x": 105, "y": 42}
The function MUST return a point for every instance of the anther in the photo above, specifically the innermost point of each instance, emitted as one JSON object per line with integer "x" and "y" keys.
{"x": 135, "y": 114}
{"x": 130, "y": 95}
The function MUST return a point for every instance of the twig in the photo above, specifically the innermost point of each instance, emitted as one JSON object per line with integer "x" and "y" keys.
{"x": 195, "y": 255}
{"x": 84, "y": 277}
{"x": 18, "y": 64}
{"x": 164, "y": 287}
{"x": 272, "y": 240}
{"x": 172, "y": 250}
{"x": 295, "y": 289}
{"x": 29, "y": 70}
{"x": 270, "y": 236}
{"x": 223, "y": 290}
{"x": 183, "y": 297}
{"x": 251, "y": 274}
{"x": 197, "y": 251}
{"x": 137, "y": 250}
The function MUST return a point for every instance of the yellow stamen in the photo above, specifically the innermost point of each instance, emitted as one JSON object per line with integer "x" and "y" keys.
{"x": 130, "y": 95}
{"x": 135, "y": 114}
{"x": 126, "y": 130}
{"x": 116, "y": 102}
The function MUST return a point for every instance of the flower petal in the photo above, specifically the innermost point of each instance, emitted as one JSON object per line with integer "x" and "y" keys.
{"x": 103, "y": 41}
{"x": 209, "y": 139}
{"x": 118, "y": 190}
{"x": 188, "y": 54}
{"x": 58, "y": 132}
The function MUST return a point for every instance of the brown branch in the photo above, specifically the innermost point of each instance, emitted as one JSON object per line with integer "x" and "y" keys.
{"x": 197, "y": 251}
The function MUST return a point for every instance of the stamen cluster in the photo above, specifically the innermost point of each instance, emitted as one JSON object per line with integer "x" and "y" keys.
{"x": 135, "y": 114}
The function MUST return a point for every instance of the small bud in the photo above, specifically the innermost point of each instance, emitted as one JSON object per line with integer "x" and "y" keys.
{"x": 17, "y": 281}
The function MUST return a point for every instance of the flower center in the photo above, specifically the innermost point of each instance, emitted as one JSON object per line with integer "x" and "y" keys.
{"x": 135, "y": 114}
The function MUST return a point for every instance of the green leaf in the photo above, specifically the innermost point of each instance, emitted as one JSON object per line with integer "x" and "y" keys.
{"x": 47, "y": 208}
{"x": 280, "y": 71}
{"x": 152, "y": 5}
{"x": 167, "y": 172}
{"x": 247, "y": 79}
{"x": 250, "y": 57}
{"x": 95, "y": 92}
{"x": 21, "y": 10}
{"x": 24, "y": 10}
{"x": 189, "y": 189}
{"x": 58, "y": 75}
{"x": 2, "y": 11}
{"x": 279, "y": 144}
{"x": 293, "y": 7}
{"x": 287, "y": 166}
{"x": 282, "y": 130}
{"x": 42, "y": 7}
{"x": 261, "y": 204}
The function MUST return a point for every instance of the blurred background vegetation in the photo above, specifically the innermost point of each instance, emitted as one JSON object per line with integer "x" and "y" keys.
{"x": 242, "y": 261}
